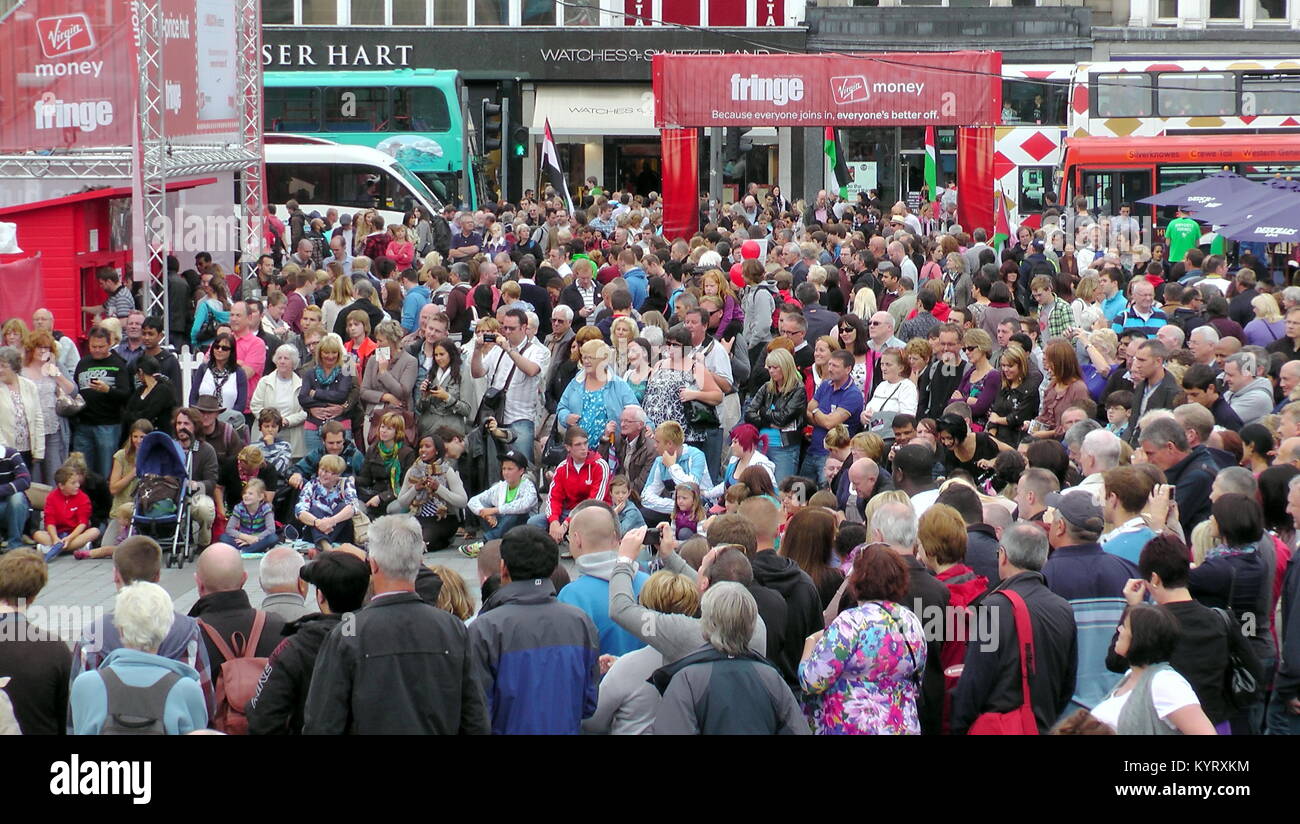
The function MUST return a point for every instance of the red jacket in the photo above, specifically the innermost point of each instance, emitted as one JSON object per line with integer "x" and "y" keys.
{"x": 63, "y": 514}
{"x": 574, "y": 484}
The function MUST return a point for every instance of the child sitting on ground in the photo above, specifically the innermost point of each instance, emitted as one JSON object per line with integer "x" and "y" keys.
{"x": 67, "y": 516}
{"x": 251, "y": 527}
{"x": 689, "y": 510}
{"x": 629, "y": 517}
{"x": 118, "y": 531}
{"x": 275, "y": 449}
{"x": 327, "y": 503}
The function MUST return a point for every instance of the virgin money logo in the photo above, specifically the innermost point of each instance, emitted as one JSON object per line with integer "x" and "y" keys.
{"x": 849, "y": 89}
{"x": 64, "y": 35}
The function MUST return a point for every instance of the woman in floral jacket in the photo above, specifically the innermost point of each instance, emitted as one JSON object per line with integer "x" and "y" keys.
{"x": 862, "y": 675}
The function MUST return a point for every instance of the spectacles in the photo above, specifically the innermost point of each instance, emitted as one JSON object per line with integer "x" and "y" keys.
{"x": 874, "y": 323}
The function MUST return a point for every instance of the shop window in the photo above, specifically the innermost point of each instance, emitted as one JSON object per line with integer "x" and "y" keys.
{"x": 537, "y": 12}
{"x": 1225, "y": 9}
{"x": 1196, "y": 94}
{"x": 1122, "y": 95}
{"x": 409, "y": 12}
{"x": 582, "y": 13}
{"x": 367, "y": 12}
{"x": 356, "y": 110}
{"x": 1275, "y": 93}
{"x": 418, "y": 109}
{"x": 291, "y": 110}
{"x": 1270, "y": 11}
{"x": 450, "y": 12}
{"x": 1167, "y": 9}
{"x": 492, "y": 12}
{"x": 1034, "y": 102}
{"x": 274, "y": 12}
{"x": 319, "y": 12}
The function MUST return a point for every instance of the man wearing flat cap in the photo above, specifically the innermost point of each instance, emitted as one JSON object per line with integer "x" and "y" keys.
{"x": 1078, "y": 567}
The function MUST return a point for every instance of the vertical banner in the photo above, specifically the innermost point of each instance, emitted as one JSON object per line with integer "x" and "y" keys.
{"x": 681, "y": 181}
{"x": 975, "y": 177}
{"x": 769, "y": 12}
{"x": 638, "y": 12}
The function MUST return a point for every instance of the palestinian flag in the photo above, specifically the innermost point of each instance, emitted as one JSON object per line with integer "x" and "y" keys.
{"x": 551, "y": 163}
{"x": 1001, "y": 227}
{"x": 839, "y": 176}
{"x": 931, "y": 164}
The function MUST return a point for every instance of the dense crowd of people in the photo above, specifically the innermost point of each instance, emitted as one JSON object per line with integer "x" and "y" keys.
{"x": 820, "y": 467}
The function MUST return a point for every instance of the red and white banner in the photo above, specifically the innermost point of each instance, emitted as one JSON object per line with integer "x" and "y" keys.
{"x": 67, "y": 75}
{"x": 939, "y": 89}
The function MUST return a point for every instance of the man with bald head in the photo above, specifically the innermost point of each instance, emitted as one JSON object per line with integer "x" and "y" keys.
{"x": 1224, "y": 349}
{"x": 1288, "y": 379}
{"x": 223, "y": 606}
{"x": 593, "y": 540}
{"x": 865, "y": 481}
{"x": 1288, "y": 453}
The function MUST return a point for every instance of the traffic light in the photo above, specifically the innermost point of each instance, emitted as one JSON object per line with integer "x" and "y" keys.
{"x": 492, "y": 123}
{"x": 519, "y": 141}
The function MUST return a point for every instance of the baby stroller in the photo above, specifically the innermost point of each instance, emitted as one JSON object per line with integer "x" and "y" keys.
{"x": 161, "y": 504}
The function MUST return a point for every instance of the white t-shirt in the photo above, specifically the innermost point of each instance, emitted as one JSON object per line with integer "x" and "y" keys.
{"x": 1169, "y": 691}
{"x": 922, "y": 501}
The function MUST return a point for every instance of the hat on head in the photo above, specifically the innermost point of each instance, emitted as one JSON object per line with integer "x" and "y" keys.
{"x": 209, "y": 403}
{"x": 1079, "y": 508}
{"x": 897, "y": 219}
{"x": 515, "y": 457}
{"x": 1039, "y": 245}
{"x": 341, "y": 576}
{"x": 749, "y": 250}
{"x": 345, "y": 220}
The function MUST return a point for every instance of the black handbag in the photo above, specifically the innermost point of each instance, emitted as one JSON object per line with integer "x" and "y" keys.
{"x": 699, "y": 415}
{"x": 1239, "y": 686}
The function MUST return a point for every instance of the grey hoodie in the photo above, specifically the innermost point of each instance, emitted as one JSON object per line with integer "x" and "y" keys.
{"x": 1253, "y": 402}
{"x": 675, "y": 636}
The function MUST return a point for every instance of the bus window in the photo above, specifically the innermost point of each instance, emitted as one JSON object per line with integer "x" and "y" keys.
{"x": 1106, "y": 190}
{"x": 1034, "y": 102}
{"x": 356, "y": 110}
{"x": 420, "y": 109}
{"x": 1122, "y": 95}
{"x": 291, "y": 110}
{"x": 1196, "y": 94}
{"x": 1034, "y": 181}
{"x": 1274, "y": 93}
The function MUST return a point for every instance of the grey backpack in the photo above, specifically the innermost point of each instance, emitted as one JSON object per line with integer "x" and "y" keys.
{"x": 135, "y": 710}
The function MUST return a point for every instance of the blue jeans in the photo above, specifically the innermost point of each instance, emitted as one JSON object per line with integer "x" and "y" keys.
{"x": 260, "y": 546}
{"x": 505, "y": 523}
{"x": 785, "y": 459}
{"x": 1282, "y": 721}
{"x": 98, "y": 443}
{"x": 542, "y": 519}
{"x": 813, "y": 464}
{"x": 713, "y": 453}
{"x": 13, "y": 519}
{"x": 524, "y": 433}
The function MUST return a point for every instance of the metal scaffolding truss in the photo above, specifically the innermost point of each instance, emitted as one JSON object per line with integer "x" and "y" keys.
{"x": 153, "y": 162}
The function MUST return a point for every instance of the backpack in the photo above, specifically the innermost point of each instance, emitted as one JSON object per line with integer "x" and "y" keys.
{"x": 236, "y": 683}
{"x": 135, "y": 710}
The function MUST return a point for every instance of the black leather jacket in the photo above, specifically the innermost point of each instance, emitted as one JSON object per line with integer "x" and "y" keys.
{"x": 784, "y": 412}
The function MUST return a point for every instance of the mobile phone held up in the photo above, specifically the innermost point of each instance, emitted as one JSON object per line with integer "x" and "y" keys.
{"x": 652, "y": 539}
{"x": 489, "y": 337}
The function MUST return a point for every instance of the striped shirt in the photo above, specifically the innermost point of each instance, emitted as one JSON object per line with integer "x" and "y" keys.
{"x": 1131, "y": 320}
{"x": 120, "y": 303}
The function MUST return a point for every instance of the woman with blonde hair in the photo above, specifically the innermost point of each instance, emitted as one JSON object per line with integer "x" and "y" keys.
{"x": 622, "y": 332}
{"x": 14, "y": 333}
{"x": 596, "y": 397}
{"x": 1087, "y": 301}
{"x": 864, "y": 302}
{"x": 385, "y": 465}
{"x": 1268, "y": 325}
{"x": 22, "y": 425}
{"x": 454, "y": 595}
{"x": 325, "y": 391}
{"x": 777, "y": 410}
{"x": 980, "y": 385}
{"x": 916, "y": 357}
{"x": 668, "y": 601}
{"x": 822, "y": 349}
{"x": 341, "y": 295}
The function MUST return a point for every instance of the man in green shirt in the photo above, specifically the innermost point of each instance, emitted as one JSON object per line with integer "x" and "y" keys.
{"x": 1182, "y": 234}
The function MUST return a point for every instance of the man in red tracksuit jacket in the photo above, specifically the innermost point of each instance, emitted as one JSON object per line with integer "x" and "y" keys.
{"x": 584, "y": 476}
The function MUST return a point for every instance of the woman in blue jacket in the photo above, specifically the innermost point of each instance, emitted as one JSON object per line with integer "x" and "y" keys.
{"x": 213, "y": 310}
{"x": 143, "y": 617}
{"x": 595, "y": 397}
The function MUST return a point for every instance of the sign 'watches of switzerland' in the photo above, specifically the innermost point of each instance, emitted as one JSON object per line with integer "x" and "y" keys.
{"x": 949, "y": 89}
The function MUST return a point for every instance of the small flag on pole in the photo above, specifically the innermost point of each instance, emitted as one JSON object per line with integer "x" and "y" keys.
{"x": 551, "y": 161}
{"x": 1001, "y": 227}
{"x": 931, "y": 164}
{"x": 839, "y": 169}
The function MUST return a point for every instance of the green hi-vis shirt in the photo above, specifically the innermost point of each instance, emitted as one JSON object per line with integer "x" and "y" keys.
{"x": 1182, "y": 234}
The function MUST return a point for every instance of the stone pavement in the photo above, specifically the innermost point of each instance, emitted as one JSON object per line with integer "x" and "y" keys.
{"x": 88, "y": 584}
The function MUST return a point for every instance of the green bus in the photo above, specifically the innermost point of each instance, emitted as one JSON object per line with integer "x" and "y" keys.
{"x": 414, "y": 115}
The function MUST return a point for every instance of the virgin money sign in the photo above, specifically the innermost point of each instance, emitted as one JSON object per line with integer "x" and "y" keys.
{"x": 948, "y": 89}
{"x": 67, "y": 75}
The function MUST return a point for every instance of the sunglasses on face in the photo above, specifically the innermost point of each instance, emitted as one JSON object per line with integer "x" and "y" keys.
{"x": 969, "y": 348}
{"x": 221, "y": 348}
